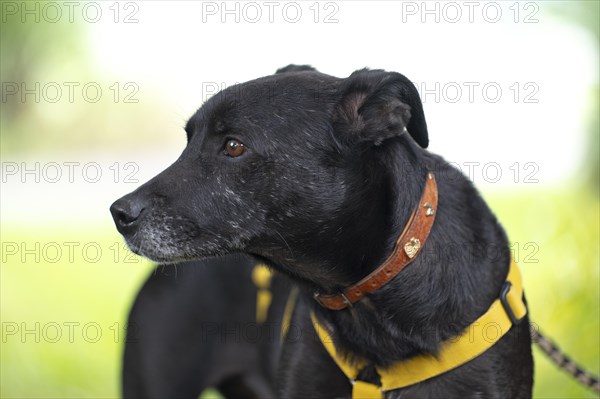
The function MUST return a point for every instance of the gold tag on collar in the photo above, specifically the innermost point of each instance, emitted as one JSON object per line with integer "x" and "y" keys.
{"x": 412, "y": 247}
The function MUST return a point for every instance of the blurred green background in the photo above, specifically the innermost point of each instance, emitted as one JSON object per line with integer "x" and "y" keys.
{"x": 67, "y": 281}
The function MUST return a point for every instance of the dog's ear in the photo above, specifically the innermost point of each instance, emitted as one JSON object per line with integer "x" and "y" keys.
{"x": 295, "y": 68}
{"x": 377, "y": 105}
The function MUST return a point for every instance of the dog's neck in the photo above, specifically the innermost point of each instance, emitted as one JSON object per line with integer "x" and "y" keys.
{"x": 452, "y": 281}
{"x": 378, "y": 212}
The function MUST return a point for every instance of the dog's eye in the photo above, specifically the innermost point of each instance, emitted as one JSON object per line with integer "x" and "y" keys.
{"x": 234, "y": 148}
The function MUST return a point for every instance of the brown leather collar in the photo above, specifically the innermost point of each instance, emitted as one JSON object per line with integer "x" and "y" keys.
{"x": 407, "y": 247}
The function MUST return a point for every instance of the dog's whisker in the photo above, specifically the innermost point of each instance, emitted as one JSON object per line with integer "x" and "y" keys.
{"x": 284, "y": 240}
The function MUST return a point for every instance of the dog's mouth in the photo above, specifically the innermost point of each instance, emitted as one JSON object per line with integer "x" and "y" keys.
{"x": 166, "y": 239}
{"x": 156, "y": 245}
{"x": 149, "y": 252}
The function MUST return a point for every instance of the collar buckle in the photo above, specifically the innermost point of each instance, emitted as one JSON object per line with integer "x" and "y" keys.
{"x": 346, "y": 300}
{"x": 506, "y": 305}
{"x": 320, "y": 299}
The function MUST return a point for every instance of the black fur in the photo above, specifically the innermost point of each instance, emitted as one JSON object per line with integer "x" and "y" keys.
{"x": 194, "y": 326}
{"x": 326, "y": 186}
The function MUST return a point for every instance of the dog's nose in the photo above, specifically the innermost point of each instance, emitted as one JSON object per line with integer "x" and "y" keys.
{"x": 126, "y": 213}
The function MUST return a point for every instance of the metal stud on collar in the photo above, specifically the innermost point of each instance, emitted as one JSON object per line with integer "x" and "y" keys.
{"x": 428, "y": 209}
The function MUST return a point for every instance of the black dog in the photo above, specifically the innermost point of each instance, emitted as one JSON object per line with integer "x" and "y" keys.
{"x": 194, "y": 326}
{"x": 318, "y": 177}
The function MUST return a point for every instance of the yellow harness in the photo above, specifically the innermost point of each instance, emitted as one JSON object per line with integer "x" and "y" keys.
{"x": 480, "y": 336}
{"x": 261, "y": 277}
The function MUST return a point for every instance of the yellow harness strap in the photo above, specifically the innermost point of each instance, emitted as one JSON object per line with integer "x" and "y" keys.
{"x": 288, "y": 312}
{"x": 261, "y": 276}
{"x": 481, "y": 335}
{"x": 365, "y": 390}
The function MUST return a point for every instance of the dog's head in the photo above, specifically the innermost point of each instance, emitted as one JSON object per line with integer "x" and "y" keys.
{"x": 276, "y": 167}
